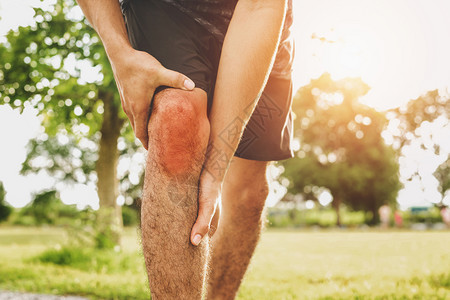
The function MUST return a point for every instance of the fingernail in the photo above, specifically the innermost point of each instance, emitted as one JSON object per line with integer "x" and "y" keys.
{"x": 189, "y": 84}
{"x": 197, "y": 239}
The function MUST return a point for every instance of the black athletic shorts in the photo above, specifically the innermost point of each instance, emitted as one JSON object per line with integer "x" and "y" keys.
{"x": 181, "y": 44}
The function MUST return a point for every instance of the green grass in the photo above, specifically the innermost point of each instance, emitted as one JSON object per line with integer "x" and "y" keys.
{"x": 328, "y": 264}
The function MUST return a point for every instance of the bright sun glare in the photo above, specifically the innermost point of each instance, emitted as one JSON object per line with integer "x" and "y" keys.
{"x": 394, "y": 46}
{"x": 353, "y": 56}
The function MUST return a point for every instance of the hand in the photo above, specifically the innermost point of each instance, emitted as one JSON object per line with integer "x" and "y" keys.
{"x": 208, "y": 209}
{"x": 137, "y": 75}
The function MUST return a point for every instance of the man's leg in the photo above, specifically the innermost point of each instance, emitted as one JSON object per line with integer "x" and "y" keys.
{"x": 245, "y": 190}
{"x": 178, "y": 134}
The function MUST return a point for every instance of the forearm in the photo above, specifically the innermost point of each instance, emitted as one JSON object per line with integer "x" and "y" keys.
{"x": 106, "y": 18}
{"x": 246, "y": 60}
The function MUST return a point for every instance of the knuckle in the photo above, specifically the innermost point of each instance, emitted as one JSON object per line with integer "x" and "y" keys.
{"x": 169, "y": 77}
{"x": 179, "y": 79}
{"x": 158, "y": 73}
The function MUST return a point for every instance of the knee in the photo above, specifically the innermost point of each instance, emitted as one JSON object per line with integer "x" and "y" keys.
{"x": 178, "y": 129}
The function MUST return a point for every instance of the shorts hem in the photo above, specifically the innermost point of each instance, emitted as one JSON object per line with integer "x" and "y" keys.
{"x": 266, "y": 158}
{"x": 201, "y": 85}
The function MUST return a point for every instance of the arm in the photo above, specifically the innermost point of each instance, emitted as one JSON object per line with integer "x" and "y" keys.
{"x": 247, "y": 56}
{"x": 137, "y": 73}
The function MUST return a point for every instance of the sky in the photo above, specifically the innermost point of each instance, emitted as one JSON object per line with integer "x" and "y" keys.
{"x": 400, "y": 48}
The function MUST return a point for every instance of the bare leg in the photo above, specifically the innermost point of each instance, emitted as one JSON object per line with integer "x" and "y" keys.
{"x": 178, "y": 132}
{"x": 244, "y": 193}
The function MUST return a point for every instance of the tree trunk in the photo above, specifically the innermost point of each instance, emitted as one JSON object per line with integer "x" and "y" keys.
{"x": 109, "y": 217}
{"x": 336, "y": 205}
{"x": 375, "y": 214}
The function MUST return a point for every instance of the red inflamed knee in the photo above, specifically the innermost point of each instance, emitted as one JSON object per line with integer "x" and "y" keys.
{"x": 178, "y": 130}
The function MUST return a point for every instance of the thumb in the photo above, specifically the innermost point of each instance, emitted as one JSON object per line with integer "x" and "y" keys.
{"x": 201, "y": 227}
{"x": 174, "y": 79}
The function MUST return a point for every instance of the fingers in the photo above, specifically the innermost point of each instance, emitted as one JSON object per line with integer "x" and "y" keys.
{"x": 175, "y": 79}
{"x": 201, "y": 227}
{"x": 140, "y": 128}
{"x": 136, "y": 95}
{"x": 214, "y": 222}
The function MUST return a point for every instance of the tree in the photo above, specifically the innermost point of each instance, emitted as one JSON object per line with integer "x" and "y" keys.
{"x": 47, "y": 208}
{"x": 5, "y": 210}
{"x": 58, "y": 66}
{"x": 422, "y": 121}
{"x": 341, "y": 147}
{"x": 442, "y": 174}
{"x": 427, "y": 108}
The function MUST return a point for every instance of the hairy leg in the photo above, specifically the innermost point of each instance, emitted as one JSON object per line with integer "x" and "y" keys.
{"x": 178, "y": 134}
{"x": 244, "y": 193}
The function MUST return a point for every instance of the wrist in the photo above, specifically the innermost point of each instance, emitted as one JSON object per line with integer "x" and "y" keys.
{"x": 217, "y": 160}
{"x": 117, "y": 51}
{"x": 212, "y": 179}
{"x": 210, "y": 183}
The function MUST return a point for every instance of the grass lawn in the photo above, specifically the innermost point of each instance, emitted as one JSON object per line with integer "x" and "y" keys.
{"x": 288, "y": 265}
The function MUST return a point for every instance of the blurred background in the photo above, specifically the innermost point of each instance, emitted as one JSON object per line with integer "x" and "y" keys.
{"x": 361, "y": 211}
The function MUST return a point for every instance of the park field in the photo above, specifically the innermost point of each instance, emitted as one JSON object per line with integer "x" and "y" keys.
{"x": 332, "y": 264}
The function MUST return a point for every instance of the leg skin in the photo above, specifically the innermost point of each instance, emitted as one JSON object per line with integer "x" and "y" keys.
{"x": 178, "y": 134}
{"x": 245, "y": 190}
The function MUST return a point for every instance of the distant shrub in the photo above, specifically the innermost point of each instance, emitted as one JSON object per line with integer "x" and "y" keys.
{"x": 278, "y": 221}
{"x": 441, "y": 281}
{"x": 76, "y": 257}
{"x": 22, "y": 220}
{"x": 430, "y": 215}
{"x": 103, "y": 240}
{"x": 130, "y": 216}
{"x": 5, "y": 210}
{"x": 312, "y": 217}
{"x": 89, "y": 259}
{"x": 46, "y": 209}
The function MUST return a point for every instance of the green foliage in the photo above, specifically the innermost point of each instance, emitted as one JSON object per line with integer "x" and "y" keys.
{"x": 279, "y": 218}
{"x": 288, "y": 264}
{"x": 41, "y": 67}
{"x": 77, "y": 258}
{"x": 104, "y": 239}
{"x": 442, "y": 174}
{"x": 432, "y": 108}
{"x": 431, "y": 215}
{"x": 87, "y": 232}
{"x": 130, "y": 216}
{"x": 326, "y": 217}
{"x": 341, "y": 147}
{"x": 441, "y": 280}
{"x": 59, "y": 67}
{"x": 424, "y": 109}
{"x": 5, "y": 210}
{"x": 46, "y": 208}
{"x": 88, "y": 259}
{"x": 64, "y": 161}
